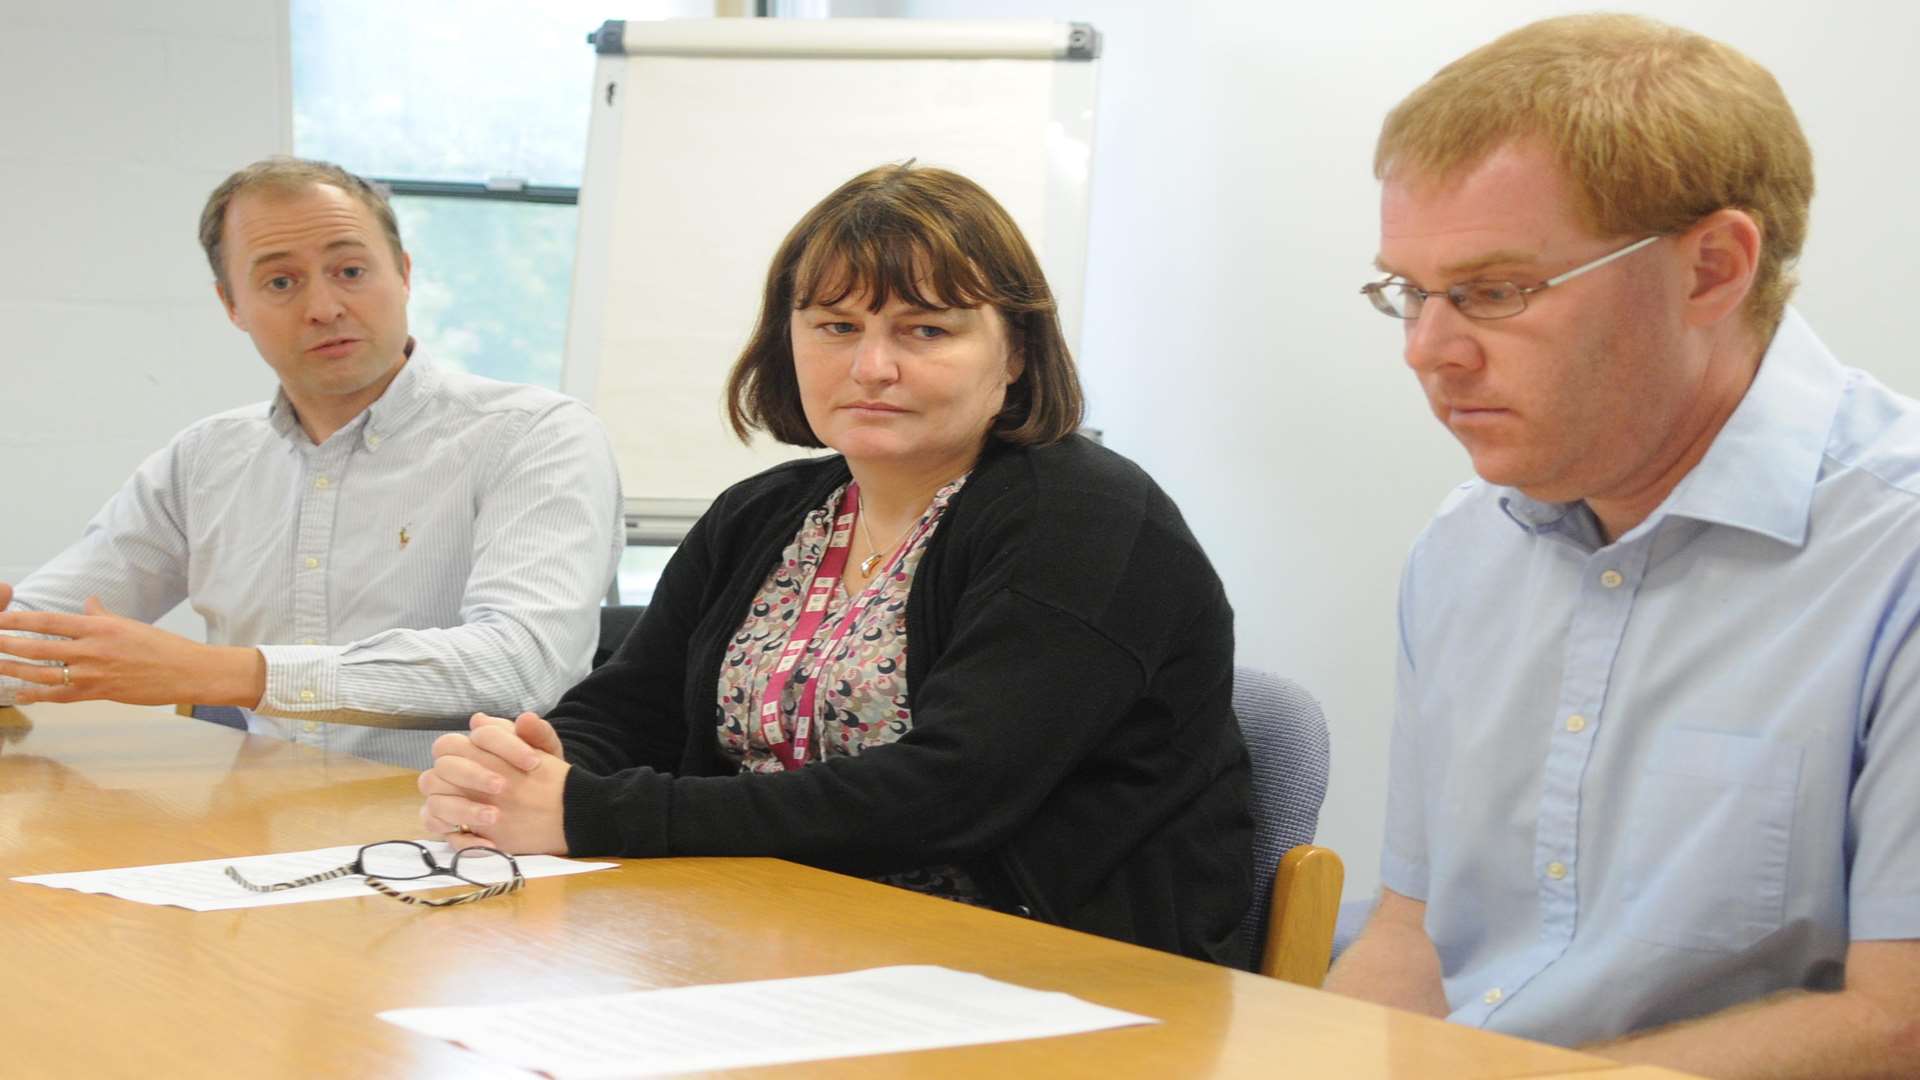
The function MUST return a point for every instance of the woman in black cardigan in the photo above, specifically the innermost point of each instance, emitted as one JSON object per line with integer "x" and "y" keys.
{"x": 1058, "y": 741}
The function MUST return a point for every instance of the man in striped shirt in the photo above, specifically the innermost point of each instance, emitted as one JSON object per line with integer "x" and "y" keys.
{"x": 384, "y": 549}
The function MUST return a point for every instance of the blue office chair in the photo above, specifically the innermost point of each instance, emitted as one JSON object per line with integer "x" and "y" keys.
{"x": 1288, "y": 931}
{"x": 224, "y": 715}
{"x": 616, "y": 622}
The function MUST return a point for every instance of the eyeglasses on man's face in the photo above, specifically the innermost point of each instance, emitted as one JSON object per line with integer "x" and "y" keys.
{"x": 493, "y": 871}
{"x": 1477, "y": 299}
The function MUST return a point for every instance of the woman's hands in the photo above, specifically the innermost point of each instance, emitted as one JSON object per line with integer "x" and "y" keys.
{"x": 498, "y": 786}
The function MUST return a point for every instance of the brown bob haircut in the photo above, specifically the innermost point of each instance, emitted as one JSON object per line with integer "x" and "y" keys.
{"x": 1655, "y": 126}
{"x": 287, "y": 176}
{"x": 936, "y": 240}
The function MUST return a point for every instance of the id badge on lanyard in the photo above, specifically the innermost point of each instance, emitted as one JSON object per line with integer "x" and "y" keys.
{"x": 792, "y": 752}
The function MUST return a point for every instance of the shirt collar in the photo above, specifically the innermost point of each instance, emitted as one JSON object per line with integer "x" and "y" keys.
{"x": 412, "y": 388}
{"x": 1760, "y": 472}
{"x": 280, "y": 415}
{"x": 1531, "y": 514}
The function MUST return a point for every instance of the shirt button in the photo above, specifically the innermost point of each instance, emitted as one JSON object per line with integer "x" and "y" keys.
{"x": 1611, "y": 579}
{"x": 313, "y": 564}
{"x": 1493, "y": 996}
{"x": 373, "y": 440}
{"x": 320, "y": 482}
{"x": 1576, "y": 723}
{"x": 309, "y": 726}
{"x": 1556, "y": 871}
{"x": 306, "y": 695}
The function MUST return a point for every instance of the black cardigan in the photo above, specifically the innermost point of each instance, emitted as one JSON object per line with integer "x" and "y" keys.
{"x": 1070, "y": 667}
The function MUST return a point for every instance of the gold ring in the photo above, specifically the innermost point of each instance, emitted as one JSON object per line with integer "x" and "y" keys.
{"x": 66, "y": 675}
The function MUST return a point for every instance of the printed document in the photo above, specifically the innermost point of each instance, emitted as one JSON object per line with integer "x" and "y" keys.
{"x": 687, "y": 1029}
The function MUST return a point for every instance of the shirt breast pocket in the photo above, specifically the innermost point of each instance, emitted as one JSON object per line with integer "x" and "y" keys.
{"x": 1711, "y": 832}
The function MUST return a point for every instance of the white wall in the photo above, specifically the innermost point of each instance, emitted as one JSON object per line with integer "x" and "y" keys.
{"x": 121, "y": 115}
{"x": 1234, "y": 219}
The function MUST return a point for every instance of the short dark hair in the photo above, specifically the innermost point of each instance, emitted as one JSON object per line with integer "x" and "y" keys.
{"x": 935, "y": 239}
{"x": 287, "y": 176}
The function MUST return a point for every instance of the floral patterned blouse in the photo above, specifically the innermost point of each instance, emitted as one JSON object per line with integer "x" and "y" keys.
{"x": 863, "y": 686}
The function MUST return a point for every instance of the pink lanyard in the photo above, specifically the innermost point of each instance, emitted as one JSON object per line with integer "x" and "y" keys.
{"x": 833, "y": 563}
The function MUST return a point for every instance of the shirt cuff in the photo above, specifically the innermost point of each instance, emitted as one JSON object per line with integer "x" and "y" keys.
{"x": 1883, "y": 918}
{"x": 301, "y": 678}
{"x": 1404, "y": 876}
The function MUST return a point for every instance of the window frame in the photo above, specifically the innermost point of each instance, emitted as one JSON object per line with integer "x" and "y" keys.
{"x": 504, "y": 189}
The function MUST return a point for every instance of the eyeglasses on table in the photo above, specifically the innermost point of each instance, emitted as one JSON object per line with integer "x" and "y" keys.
{"x": 494, "y": 871}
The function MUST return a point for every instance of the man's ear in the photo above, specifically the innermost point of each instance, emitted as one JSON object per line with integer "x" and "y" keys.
{"x": 1723, "y": 250}
{"x": 226, "y": 301}
{"x": 406, "y": 273}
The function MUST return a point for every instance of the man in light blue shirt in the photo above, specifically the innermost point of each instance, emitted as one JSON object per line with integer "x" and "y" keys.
{"x": 1653, "y": 781}
{"x": 381, "y": 551}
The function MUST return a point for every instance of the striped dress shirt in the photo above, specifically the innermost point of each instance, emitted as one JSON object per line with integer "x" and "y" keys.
{"x": 445, "y": 553}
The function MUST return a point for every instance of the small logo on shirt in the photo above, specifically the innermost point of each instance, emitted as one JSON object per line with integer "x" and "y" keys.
{"x": 405, "y": 538}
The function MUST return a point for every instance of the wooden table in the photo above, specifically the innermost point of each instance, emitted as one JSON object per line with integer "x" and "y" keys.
{"x": 98, "y": 986}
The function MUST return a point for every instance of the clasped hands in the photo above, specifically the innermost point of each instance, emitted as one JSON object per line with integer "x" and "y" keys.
{"x": 498, "y": 785}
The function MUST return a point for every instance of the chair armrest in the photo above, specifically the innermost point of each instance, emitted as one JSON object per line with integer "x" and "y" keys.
{"x": 1304, "y": 911}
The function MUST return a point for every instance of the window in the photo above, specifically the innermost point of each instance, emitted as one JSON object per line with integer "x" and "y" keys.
{"x": 444, "y": 99}
{"x": 490, "y": 283}
{"x": 444, "y": 90}
{"x": 474, "y": 113}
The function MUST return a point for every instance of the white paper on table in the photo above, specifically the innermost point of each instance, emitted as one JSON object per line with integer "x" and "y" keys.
{"x": 205, "y": 886}
{"x": 734, "y": 1025}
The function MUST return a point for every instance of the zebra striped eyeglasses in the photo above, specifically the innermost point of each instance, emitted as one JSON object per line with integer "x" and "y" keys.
{"x": 492, "y": 870}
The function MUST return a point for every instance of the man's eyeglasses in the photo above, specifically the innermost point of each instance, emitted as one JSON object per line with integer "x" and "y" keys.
{"x": 1477, "y": 299}
{"x": 404, "y": 860}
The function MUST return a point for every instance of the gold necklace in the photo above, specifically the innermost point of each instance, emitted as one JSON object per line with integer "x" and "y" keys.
{"x": 867, "y": 564}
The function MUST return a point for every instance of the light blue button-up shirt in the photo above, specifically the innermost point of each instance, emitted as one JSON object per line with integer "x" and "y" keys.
{"x": 1643, "y": 781}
